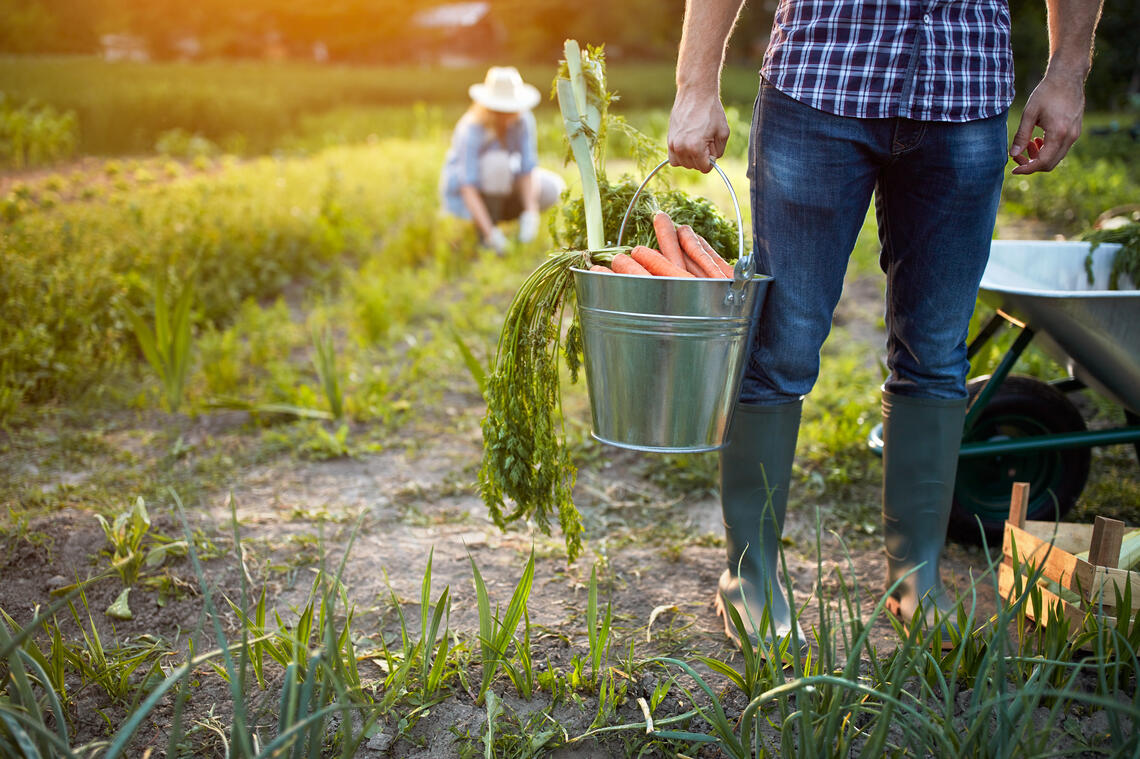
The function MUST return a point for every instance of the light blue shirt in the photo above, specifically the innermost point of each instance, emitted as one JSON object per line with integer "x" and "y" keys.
{"x": 469, "y": 142}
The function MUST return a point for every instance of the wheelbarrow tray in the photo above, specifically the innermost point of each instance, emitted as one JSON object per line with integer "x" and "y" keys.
{"x": 1091, "y": 330}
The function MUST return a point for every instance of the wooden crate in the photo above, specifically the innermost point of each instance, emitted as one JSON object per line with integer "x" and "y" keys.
{"x": 1053, "y": 547}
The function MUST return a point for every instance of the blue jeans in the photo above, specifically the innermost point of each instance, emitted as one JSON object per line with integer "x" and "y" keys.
{"x": 936, "y": 187}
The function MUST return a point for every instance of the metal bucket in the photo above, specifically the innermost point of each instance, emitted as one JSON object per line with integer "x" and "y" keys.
{"x": 664, "y": 356}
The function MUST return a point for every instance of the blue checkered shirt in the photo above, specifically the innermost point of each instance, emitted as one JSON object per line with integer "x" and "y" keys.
{"x": 930, "y": 60}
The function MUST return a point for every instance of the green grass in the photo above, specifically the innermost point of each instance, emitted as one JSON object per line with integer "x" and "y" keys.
{"x": 842, "y": 696}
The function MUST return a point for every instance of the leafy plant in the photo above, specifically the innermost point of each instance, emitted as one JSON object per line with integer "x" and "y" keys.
{"x": 597, "y": 629}
{"x": 1126, "y": 260}
{"x": 126, "y": 534}
{"x": 166, "y": 346}
{"x": 324, "y": 361}
{"x": 495, "y": 633}
{"x": 35, "y": 135}
{"x": 525, "y": 457}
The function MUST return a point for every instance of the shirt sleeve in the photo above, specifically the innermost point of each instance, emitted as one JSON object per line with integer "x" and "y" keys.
{"x": 529, "y": 148}
{"x": 470, "y": 137}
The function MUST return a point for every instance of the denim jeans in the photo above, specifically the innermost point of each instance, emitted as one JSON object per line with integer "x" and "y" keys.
{"x": 936, "y": 187}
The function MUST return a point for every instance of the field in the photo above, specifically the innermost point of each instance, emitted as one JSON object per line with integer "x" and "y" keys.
{"x": 240, "y": 365}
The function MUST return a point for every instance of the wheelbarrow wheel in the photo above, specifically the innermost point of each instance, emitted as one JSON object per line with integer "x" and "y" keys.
{"x": 1022, "y": 407}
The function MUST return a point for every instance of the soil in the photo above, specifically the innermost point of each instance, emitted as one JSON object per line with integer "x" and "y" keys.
{"x": 658, "y": 557}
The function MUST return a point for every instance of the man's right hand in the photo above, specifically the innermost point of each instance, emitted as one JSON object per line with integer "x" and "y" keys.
{"x": 698, "y": 129}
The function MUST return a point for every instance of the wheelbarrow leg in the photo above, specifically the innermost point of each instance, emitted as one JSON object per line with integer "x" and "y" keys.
{"x": 1133, "y": 421}
{"x": 1000, "y": 373}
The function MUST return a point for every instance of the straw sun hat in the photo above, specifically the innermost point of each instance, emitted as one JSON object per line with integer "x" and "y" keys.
{"x": 504, "y": 90}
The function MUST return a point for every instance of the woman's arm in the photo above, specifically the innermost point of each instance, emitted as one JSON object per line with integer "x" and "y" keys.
{"x": 478, "y": 210}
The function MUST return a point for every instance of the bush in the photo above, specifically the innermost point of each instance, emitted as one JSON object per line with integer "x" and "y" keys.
{"x": 70, "y": 275}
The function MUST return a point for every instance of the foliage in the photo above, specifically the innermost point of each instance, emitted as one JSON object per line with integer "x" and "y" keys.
{"x": 72, "y": 276}
{"x": 704, "y": 217}
{"x": 1099, "y": 172}
{"x": 33, "y": 135}
{"x": 1127, "y": 258}
{"x": 525, "y": 457}
{"x": 126, "y": 535}
{"x": 167, "y": 346}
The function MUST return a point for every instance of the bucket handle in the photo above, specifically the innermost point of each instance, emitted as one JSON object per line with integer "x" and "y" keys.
{"x": 745, "y": 267}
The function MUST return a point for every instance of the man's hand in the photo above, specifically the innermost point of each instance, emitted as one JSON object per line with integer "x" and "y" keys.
{"x": 1057, "y": 106}
{"x": 698, "y": 130}
{"x": 1058, "y": 102}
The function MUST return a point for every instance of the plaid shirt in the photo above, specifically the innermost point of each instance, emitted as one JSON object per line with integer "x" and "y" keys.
{"x": 929, "y": 60}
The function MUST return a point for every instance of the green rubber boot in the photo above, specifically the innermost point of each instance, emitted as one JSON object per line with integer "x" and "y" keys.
{"x": 921, "y": 437}
{"x": 755, "y": 470}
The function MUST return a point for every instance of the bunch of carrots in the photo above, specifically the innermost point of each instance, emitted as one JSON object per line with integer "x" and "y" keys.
{"x": 683, "y": 253}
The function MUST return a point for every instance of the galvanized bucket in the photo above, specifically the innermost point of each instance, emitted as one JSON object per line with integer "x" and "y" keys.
{"x": 664, "y": 356}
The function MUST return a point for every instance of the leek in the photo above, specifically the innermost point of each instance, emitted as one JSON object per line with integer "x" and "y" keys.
{"x": 582, "y": 109}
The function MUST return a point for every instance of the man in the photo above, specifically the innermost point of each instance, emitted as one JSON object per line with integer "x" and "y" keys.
{"x": 905, "y": 101}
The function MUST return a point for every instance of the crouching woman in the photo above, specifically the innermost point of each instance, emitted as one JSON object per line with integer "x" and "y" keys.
{"x": 491, "y": 174}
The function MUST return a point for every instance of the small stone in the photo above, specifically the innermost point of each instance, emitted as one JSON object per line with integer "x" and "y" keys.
{"x": 379, "y": 742}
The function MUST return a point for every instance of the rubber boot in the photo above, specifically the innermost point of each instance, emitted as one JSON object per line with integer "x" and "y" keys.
{"x": 755, "y": 470}
{"x": 921, "y": 437}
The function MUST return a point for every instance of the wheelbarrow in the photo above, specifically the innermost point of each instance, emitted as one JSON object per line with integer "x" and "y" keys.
{"x": 1021, "y": 429}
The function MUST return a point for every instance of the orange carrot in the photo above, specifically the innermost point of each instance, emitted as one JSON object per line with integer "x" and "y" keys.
{"x": 692, "y": 268}
{"x": 623, "y": 263}
{"x": 693, "y": 250}
{"x": 657, "y": 264}
{"x": 725, "y": 266}
{"x": 603, "y": 269}
{"x": 667, "y": 239}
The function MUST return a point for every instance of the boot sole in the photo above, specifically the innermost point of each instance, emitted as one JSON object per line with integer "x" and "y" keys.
{"x": 894, "y": 607}
{"x": 761, "y": 650}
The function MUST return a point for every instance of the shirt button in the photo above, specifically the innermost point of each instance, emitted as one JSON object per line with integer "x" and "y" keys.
{"x": 926, "y": 19}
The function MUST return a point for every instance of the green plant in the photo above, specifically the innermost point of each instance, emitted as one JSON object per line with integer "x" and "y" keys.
{"x": 433, "y": 659}
{"x": 126, "y": 534}
{"x": 35, "y": 135}
{"x": 125, "y": 671}
{"x": 597, "y": 630}
{"x": 1127, "y": 259}
{"x": 324, "y": 361}
{"x": 166, "y": 346}
{"x": 495, "y": 633}
{"x": 476, "y": 369}
{"x": 30, "y": 725}
{"x": 330, "y": 684}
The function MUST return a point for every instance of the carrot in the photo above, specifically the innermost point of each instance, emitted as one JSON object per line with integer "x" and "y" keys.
{"x": 603, "y": 269}
{"x": 623, "y": 263}
{"x": 693, "y": 250}
{"x": 725, "y": 266}
{"x": 692, "y": 267}
{"x": 667, "y": 239}
{"x": 657, "y": 264}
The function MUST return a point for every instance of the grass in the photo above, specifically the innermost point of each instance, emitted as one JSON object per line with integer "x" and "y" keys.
{"x": 844, "y": 695}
